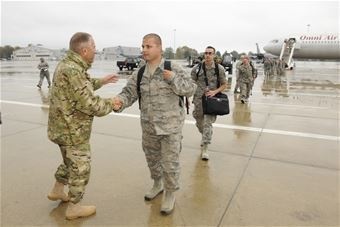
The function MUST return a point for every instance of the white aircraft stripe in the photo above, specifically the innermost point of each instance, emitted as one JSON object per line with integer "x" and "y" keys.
{"x": 216, "y": 125}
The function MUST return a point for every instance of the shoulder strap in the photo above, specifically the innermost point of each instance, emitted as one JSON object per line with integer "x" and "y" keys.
{"x": 217, "y": 72}
{"x": 251, "y": 65}
{"x": 139, "y": 79}
{"x": 167, "y": 66}
{"x": 199, "y": 69}
{"x": 253, "y": 70}
{"x": 205, "y": 75}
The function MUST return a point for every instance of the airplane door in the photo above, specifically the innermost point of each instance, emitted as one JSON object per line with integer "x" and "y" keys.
{"x": 297, "y": 43}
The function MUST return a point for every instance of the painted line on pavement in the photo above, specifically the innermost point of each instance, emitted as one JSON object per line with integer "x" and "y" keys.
{"x": 216, "y": 125}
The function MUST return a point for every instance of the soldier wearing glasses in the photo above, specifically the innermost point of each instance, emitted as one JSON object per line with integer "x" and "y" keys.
{"x": 203, "y": 121}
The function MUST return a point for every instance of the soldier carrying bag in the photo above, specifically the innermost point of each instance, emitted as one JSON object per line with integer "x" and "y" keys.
{"x": 218, "y": 104}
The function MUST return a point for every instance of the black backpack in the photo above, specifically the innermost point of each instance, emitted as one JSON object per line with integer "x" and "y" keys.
{"x": 167, "y": 66}
{"x": 253, "y": 70}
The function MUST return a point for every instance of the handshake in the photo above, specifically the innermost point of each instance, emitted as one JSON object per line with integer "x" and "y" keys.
{"x": 117, "y": 103}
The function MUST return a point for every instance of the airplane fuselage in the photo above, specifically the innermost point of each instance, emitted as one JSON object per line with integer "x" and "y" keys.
{"x": 309, "y": 46}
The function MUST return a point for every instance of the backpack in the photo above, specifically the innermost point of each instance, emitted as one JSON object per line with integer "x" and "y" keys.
{"x": 167, "y": 66}
{"x": 253, "y": 70}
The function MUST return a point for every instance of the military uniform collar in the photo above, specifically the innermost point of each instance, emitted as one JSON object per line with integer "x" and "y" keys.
{"x": 78, "y": 59}
{"x": 161, "y": 64}
{"x": 211, "y": 66}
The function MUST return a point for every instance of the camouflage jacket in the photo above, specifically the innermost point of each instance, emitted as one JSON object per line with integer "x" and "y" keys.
{"x": 161, "y": 113}
{"x": 43, "y": 66}
{"x": 212, "y": 79}
{"x": 73, "y": 103}
{"x": 246, "y": 73}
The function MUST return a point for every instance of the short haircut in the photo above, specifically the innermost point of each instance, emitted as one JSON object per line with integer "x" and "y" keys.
{"x": 210, "y": 47}
{"x": 77, "y": 41}
{"x": 156, "y": 37}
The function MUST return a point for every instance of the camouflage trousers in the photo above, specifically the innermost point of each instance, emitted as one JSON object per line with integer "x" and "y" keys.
{"x": 75, "y": 170}
{"x": 203, "y": 121}
{"x": 237, "y": 85}
{"x": 245, "y": 89}
{"x": 267, "y": 72}
{"x": 162, "y": 155}
{"x": 44, "y": 74}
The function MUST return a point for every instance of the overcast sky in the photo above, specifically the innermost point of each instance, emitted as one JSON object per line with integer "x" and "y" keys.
{"x": 226, "y": 25}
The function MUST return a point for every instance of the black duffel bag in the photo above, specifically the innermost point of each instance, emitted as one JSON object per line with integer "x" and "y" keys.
{"x": 216, "y": 105}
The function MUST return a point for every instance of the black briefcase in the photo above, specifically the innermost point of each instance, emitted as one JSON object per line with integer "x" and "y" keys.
{"x": 216, "y": 105}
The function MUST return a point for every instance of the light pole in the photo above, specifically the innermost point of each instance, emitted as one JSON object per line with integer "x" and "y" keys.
{"x": 174, "y": 43}
{"x": 308, "y": 26}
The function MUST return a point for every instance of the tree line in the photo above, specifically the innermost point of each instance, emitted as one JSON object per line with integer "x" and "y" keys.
{"x": 6, "y": 52}
{"x": 185, "y": 52}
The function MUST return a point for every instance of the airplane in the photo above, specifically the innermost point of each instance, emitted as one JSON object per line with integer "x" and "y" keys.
{"x": 321, "y": 46}
{"x": 258, "y": 57}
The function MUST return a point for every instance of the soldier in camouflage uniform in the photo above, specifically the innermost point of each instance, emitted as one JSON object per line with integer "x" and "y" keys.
{"x": 43, "y": 67}
{"x": 203, "y": 121}
{"x": 72, "y": 108}
{"x": 237, "y": 85}
{"x": 162, "y": 118}
{"x": 246, "y": 79}
{"x": 266, "y": 67}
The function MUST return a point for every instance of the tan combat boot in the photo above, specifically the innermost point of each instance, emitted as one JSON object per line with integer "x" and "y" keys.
{"x": 168, "y": 202}
{"x": 204, "y": 152}
{"x": 74, "y": 211}
{"x": 57, "y": 192}
{"x": 155, "y": 190}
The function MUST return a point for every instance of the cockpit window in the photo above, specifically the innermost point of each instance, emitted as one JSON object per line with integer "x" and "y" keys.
{"x": 274, "y": 41}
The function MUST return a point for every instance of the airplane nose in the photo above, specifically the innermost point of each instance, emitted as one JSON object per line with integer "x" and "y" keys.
{"x": 266, "y": 48}
{"x": 269, "y": 48}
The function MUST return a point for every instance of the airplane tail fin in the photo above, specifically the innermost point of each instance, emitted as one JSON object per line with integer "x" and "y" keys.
{"x": 258, "y": 49}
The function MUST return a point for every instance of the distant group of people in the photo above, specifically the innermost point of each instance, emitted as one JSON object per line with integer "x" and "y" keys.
{"x": 274, "y": 76}
{"x": 274, "y": 67}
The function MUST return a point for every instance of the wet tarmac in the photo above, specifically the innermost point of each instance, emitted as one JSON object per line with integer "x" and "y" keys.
{"x": 273, "y": 161}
